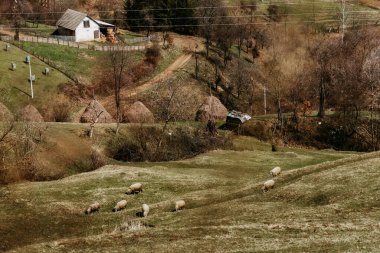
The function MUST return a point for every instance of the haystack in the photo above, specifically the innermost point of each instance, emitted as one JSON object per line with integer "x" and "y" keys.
{"x": 91, "y": 112}
{"x": 30, "y": 113}
{"x": 139, "y": 113}
{"x": 212, "y": 108}
{"x": 5, "y": 114}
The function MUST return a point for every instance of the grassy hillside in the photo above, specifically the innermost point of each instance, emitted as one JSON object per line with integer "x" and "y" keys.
{"x": 319, "y": 207}
{"x": 14, "y": 85}
{"x": 323, "y": 13}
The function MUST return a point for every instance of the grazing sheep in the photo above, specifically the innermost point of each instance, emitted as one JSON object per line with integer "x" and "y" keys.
{"x": 92, "y": 208}
{"x": 268, "y": 185}
{"x": 275, "y": 171}
{"x": 180, "y": 204}
{"x": 145, "y": 210}
{"x": 120, "y": 205}
{"x": 135, "y": 188}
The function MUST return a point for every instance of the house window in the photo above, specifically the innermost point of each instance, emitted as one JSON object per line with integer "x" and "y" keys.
{"x": 86, "y": 23}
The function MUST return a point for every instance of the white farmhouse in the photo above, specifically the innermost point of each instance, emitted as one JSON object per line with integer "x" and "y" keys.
{"x": 79, "y": 26}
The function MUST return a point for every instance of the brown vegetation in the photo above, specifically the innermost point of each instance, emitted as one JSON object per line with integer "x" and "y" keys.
{"x": 92, "y": 111}
{"x": 58, "y": 109}
{"x": 5, "y": 114}
{"x": 30, "y": 113}
{"x": 174, "y": 144}
{"x": 138, "y": 113}
{"x": 212, "y": 109}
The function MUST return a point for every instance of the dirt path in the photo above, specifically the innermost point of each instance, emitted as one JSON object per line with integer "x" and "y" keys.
{"x": 188, "y": 45}
{"x": 179, "y": 63}
{"x": 371, "y": 3}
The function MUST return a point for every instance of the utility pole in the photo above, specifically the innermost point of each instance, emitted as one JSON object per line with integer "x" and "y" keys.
{"x": 343, "y": 13}
{"x": 30, "y": 79}
{"x": 265, "y": 100}
{"x": 196, "y": 61}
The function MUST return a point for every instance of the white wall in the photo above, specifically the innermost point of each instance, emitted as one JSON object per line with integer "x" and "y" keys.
{"x": 86, "y": 34}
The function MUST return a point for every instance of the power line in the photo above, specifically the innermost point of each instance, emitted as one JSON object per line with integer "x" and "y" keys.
{"x": 334, "y": 5}
{"x": 226, "y": 16}
{"x": 220, "y": 24}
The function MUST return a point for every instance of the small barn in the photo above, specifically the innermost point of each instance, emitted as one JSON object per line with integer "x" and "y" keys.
{"x": 78, "y": 25}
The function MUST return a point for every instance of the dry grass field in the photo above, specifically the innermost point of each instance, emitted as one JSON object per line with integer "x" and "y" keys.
{"x": 324, "y": 201}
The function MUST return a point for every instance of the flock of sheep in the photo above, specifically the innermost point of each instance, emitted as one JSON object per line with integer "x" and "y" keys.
{"x": 180, "y": 204}
{"x": 133, "y": 189}
{"x": 270, "y": 183}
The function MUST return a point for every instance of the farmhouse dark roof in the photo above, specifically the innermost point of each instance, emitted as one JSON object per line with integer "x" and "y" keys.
{"x": 71, "y": 19}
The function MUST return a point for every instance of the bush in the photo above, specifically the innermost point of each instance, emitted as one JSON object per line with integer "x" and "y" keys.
{"x": 58, "y": 109}
{"x": 154, "y": 144}
{"x": 153, "y": 54}
{"x": 274, "y": 12}
{"x": 262, "y": 130}
{"x": 17, "y": 150}
{"x": 95, "y": 160}
{"x": 141, "y": 70}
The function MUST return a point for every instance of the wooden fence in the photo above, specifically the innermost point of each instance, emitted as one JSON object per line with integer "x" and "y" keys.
{"x": 57, "y": 41}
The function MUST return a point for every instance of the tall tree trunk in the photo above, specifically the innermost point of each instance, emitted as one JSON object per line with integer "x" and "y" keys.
{"x": 207, "y": 46}
{"x": 322, "y": 93}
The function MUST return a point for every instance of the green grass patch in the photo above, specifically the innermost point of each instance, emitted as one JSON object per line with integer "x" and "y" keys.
{"x": 37, "y": 29}
{"x": 14, "y": 85}
{"x": 223, "y": 196}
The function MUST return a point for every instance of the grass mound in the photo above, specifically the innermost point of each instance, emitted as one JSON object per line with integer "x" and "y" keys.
{"x": 30, "y": 113}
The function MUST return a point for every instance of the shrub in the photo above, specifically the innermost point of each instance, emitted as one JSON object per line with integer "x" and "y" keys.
{"x": 57, "y": 109}
{"x": 17, "y": 150}
{"x": 262, "y": 130}
{"x": 95, "y": 160}
{"x": 274, "y": 12}
{"x": 154, "y": 144}
{"x": 153, "y": 54}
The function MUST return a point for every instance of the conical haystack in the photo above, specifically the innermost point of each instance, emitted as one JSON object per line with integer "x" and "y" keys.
{"x": 139, "y": 113}
{"x": 93, "y": 110}
{"x": 212, "y": 108}
{"x": 5, "y": 114}
{"x": 30, "y": 113}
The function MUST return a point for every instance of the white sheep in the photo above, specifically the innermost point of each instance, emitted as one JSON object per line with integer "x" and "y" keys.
{"x": 275, "y": 171}
{"x": 120, "y": 205}
{"x": 268, "y": 185}
{"x": 92, "y": 208}
{"x": 135, "y": 188}
{"x": 145, "y": 210}
{"x": 180, "y": 204}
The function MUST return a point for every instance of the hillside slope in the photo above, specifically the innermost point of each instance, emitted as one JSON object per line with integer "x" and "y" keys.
{"x": 14, "y": 85}
{"x": 331, "y": 206}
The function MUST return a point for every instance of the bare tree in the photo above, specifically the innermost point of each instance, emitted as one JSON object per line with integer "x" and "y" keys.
{"x": 343, "y": 16}
{"x": 225, "y": 36}
{"x": 94, "y": 121}
{"x": 171, "y": 99}
{"x": 371, "y": 75}
{"x": 321, "y": 53}
{"x": 208, "y": 19}
{"x": 118, "y": 61}
{"x": 244, "y": 24}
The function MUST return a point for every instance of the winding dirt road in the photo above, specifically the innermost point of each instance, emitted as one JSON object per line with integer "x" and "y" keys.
{"x": 187, "y": 43}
